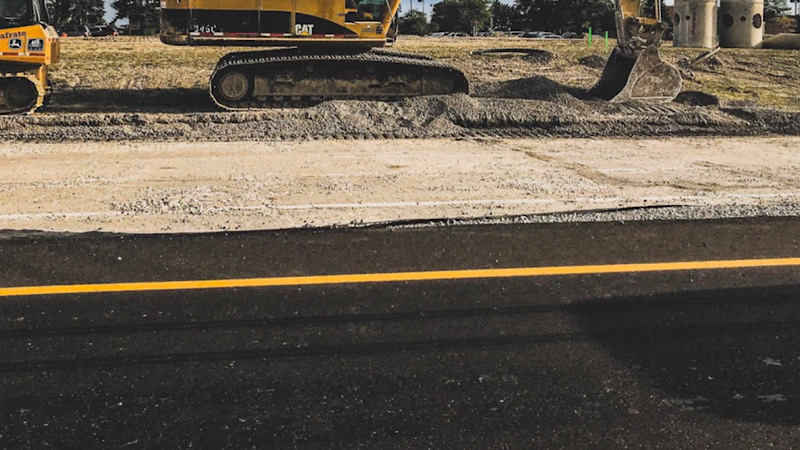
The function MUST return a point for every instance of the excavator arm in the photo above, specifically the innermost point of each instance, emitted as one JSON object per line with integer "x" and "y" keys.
{"x": 635, "y": 71}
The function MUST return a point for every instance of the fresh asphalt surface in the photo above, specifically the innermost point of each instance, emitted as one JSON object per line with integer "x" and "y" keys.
{"x": 689, "y": 359}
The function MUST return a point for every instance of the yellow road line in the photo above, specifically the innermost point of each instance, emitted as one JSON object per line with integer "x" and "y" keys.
{"x": 398, "y": 276}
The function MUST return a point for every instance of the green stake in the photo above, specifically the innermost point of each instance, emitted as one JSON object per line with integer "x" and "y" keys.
{"x": 606, "y": 40}
{"x": 590, "y": 36}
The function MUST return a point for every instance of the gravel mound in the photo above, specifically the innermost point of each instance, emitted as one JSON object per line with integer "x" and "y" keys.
{"x": 593, "y": 61}
{"x": 532, "y": 107}
{"x": 533, "y": 88}
{"x": 533, "y": 54}
{"x": 697, "y": 98}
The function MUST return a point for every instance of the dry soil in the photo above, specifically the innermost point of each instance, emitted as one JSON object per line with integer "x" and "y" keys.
{"x": 170, "y": 187}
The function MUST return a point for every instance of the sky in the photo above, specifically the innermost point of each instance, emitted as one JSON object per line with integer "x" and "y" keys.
{"x": 110, "y": 12}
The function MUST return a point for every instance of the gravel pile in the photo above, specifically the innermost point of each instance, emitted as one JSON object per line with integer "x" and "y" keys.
{"x": 593, "y": 61}
{"x": 533, "y": 106}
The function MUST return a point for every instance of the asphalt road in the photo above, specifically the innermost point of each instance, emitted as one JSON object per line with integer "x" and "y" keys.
{"x": 671, "y": 359}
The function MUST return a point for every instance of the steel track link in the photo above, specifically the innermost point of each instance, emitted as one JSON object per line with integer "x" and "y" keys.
{"x": 409, "y": 62}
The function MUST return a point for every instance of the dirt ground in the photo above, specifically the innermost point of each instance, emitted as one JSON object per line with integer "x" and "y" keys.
{"x": 132, "y": 143}
{"x": 743, "y": 77}
{"x": 189, "y": 187}
{"x": 139, "y": 89}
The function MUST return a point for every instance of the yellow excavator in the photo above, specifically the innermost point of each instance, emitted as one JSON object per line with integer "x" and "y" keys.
{"x": 27, "y": 47}
{"x": 332, "y": 50}
{"x": 332, "y": 54}
{"x": 329, "y": 52}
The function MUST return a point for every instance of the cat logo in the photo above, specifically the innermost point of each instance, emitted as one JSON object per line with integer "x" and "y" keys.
{"x": 303, "y": 30}
{"x": 15, "y": 44}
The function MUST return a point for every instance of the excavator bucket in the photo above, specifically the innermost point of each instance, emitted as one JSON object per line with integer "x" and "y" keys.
{"x": 647, "y": 78}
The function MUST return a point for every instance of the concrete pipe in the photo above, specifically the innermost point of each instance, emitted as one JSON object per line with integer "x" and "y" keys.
{"x": 741, "y": 23}
{"x": 695, "y": 23}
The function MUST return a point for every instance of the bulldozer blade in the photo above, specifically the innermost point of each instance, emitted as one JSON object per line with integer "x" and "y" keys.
{"x": 647, "y": 78}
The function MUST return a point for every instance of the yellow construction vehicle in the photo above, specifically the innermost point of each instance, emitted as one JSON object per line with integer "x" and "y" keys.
{"x": 27, "y": 47}
{"x": 635, "y": 71}
{"x": 329, "y": 54}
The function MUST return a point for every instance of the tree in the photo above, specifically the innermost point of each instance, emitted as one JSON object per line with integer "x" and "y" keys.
{"x": 460, "y": 15}
{"x": 775, "y": 8}
{"x": 783, "y": 24}
{"x": 141, "y": 14}
{"x": 504, "y": 16}
{"x": 414, "y": 22}
{"x": 567, "y": 15}
{"x": 85, "y": 12}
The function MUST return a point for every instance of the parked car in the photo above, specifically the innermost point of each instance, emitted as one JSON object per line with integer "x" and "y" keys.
{"x": 531, "y": 35}
{"x": 573, "y": 35}
{"x": 103, "y": 30}
{"x": 549, "y": 35}
{"x": 75, "y": 31}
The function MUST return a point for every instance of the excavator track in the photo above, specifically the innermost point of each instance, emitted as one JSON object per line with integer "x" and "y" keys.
{"x": 249, "y": 80}
{"x": 20, "y": 93}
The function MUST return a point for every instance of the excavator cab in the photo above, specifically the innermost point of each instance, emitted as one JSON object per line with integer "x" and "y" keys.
{"x": 27, "y": 47}
{"x": 635, "y": 71}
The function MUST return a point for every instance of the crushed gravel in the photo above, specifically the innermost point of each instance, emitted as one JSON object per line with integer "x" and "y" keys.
{"x": 677, "y": 212}
{"x": 534, "y": 106}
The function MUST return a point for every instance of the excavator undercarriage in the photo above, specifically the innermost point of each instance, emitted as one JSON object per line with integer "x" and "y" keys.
{"x": 258, "y": 79}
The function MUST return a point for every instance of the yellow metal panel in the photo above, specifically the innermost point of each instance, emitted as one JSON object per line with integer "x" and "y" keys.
{"x": 325, "y": 10}
{"x": 237, "y": 5}
{"x": 15, "y": 45}
{"x": 276, "y": 5}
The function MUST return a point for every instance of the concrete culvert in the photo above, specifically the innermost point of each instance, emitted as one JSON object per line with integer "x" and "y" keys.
{"x": 593, "y": 61}
{"x": 696, "y": 98}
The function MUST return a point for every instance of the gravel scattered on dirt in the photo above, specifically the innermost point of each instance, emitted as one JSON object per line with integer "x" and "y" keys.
{"x": 621, "y": 215}
{"x": 189, "y": 186}
{"x": 534, "y": 106}
{"x": 141, "y": 90}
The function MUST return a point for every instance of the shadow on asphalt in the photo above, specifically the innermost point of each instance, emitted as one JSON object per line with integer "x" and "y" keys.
{"x": 733, "y": 353}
